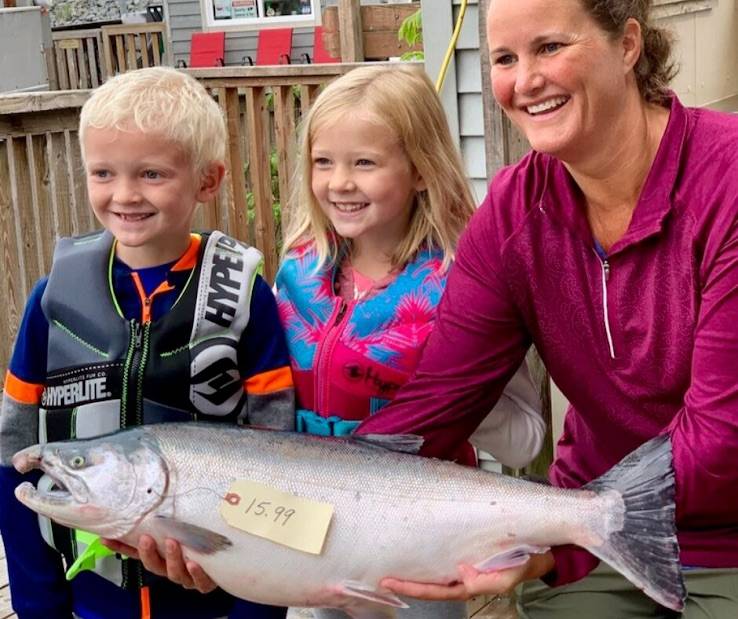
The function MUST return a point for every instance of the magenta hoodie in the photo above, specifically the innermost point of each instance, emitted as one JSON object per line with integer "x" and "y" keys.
{"x": 642, "y": 342}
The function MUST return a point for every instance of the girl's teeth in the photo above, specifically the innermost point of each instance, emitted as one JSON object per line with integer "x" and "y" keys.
{"x": 349, "y": 208}
{"x": 546, "y": 105}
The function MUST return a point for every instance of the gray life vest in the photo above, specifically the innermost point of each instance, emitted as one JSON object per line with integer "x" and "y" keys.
{"x": 105, "y": 372}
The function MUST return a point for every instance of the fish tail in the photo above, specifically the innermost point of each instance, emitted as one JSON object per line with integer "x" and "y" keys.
{"x": 641, "y": 542}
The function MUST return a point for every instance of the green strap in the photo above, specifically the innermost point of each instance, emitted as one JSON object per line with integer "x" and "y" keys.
{"x": 89, "y": 558}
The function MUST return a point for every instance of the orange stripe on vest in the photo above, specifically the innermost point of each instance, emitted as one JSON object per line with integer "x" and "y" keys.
{"x": 269, "y": 382}
{"x": 21, "y": 391}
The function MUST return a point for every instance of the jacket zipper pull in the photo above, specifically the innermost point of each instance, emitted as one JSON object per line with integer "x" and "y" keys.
{"x": 606, "y": 266}
{"x": 341, "y": 313}
{"x": 137, "y": 335}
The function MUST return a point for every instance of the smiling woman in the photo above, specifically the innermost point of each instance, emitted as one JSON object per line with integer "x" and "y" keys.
{"x": 613, "y": 248}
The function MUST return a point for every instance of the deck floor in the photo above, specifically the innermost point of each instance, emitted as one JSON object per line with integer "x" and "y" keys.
{"x": 497, "y": 609}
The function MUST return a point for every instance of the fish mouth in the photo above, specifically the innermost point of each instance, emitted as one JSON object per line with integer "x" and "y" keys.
{"x": 56, "y": 489}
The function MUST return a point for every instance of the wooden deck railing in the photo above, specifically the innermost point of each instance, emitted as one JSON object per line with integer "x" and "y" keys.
{"x": 77, "y": 59}
{"x": 42, "y": 186}
{"x": 86, "y": 58}
{"x": 135, "y": 46}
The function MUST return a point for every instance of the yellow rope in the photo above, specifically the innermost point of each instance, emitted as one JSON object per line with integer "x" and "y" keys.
{"x": 451, "y": 47}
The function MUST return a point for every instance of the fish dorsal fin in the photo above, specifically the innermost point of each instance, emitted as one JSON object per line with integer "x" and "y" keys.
{"x": 196, "y": 538}
{"x": 403, "y": 443}
{"x": 366, "y": 592}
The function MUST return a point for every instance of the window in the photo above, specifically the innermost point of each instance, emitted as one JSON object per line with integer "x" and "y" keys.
{"x": 255, "y": 14}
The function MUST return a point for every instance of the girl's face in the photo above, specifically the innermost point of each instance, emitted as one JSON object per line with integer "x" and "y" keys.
{"x": 364, "y": 182}
{"x": 557, "y": 75}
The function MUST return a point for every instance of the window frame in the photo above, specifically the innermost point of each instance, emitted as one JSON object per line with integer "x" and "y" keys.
{"x": 254, "y": 24}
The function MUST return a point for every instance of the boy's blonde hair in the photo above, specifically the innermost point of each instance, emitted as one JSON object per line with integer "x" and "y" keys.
{"x": 164, "y": 102}
{"x": 402, "y": 98}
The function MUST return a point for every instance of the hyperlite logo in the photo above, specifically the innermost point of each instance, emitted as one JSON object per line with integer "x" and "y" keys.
{"x": 74, "y": 393}
{"x": 216, "y": 383}
{"x": 226, "y": 279}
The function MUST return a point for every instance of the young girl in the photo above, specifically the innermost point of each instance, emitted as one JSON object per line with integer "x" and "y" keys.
{"x": 382, "y": 200}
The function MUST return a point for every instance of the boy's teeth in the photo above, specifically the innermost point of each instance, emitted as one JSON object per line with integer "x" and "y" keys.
{"x": 140, "y": 217}
{"x": 546, "y": 105}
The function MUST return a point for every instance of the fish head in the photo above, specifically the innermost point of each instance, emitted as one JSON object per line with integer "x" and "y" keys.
{"x": 104, "y": 485}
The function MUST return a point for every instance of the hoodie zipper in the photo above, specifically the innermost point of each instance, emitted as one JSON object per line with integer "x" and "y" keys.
{"x": 324, "y": 355}
{"x": 605, "y": 268}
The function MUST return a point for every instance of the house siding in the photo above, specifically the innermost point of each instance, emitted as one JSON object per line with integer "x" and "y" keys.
{"x": 462, "y": 90}
{"x": 185, "y": 17}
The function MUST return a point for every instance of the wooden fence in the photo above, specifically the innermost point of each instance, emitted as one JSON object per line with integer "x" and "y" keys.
{"x": 42, "y": 187}
{"x": 84, "y": 59}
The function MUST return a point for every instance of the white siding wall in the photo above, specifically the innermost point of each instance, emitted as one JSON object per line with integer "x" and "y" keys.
{"x": 462, "y": 91}
{"x": 707, "y": 52}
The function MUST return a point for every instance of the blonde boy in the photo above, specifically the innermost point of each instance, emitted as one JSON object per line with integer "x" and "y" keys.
{"x": 142, "y": 322}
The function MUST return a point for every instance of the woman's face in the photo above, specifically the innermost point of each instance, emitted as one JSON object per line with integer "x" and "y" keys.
{"x": 558, "y": 76}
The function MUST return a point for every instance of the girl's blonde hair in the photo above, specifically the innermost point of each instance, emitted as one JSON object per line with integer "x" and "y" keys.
{"x": 164, "y": 102}
{"x": 402, "y": 98}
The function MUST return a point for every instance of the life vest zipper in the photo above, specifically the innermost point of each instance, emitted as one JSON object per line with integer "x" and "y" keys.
{"x": 131, "y": 414}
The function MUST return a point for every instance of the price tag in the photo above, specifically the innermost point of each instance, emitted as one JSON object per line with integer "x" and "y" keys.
{"x": 283, "y": 518}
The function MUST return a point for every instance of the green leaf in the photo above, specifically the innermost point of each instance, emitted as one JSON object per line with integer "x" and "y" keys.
{"x": 411, "y": 29}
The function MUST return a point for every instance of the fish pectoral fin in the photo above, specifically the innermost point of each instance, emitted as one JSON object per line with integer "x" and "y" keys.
{"x": 194, "y": 537}
{"x": 509, "y": 558}
{"x": 403, "y": 443}
{"x": 370, "y": 594}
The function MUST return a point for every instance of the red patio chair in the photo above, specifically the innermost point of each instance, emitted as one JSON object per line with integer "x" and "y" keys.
{"x": 207, "y": 49}
{"x": 274, "y": 46}
{"x": 320, "y": 53}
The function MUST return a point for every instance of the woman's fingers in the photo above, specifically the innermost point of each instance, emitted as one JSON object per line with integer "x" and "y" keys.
{"x": 120, "y": 547}
{"x": 176, "y": 570}
{"x": 425, "y": 591}
{"x": 150, "y": 557}
{"x": 473, "y": 582}
{"x": 172, "y": 565}
{"x": 202, "y": 582}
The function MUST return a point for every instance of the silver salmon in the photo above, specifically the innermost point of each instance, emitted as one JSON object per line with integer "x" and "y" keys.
{"x": 357, "y": 511}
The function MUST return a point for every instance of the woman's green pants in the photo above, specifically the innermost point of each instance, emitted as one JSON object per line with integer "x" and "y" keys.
{"x": 605, "y": 594}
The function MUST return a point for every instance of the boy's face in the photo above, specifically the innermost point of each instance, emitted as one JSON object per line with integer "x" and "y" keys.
{"x": 143, "y": 188}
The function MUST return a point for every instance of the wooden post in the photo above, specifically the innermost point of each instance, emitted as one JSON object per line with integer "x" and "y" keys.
{"x": 504, "y": 145}
{"x": 260, "y": 173}
{"x": 352, "y": 42}
{"x": 237, "y": 215}
{"x": 284, "y": 138}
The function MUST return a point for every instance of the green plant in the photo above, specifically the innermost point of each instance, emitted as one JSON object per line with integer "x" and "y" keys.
{"x": 411, "y": 33}
{"x": 276, "y": 203}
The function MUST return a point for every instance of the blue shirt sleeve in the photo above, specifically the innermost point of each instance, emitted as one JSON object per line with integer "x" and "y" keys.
{"x": 264, "y": 345}
{"x": 28, "y": 361}
{"x": 37, "y": 584}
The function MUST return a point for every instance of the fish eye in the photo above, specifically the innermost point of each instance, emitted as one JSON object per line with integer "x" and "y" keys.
{"x": 77, "y": 462}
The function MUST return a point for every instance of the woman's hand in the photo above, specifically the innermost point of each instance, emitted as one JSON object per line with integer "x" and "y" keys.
{"x": 172, "y": 565}
{"x": 474, "y": 582}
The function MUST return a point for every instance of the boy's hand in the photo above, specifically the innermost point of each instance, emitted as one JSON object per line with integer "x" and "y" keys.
{"x": 474, "y": 582}
{"x": 172, "y": 566}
